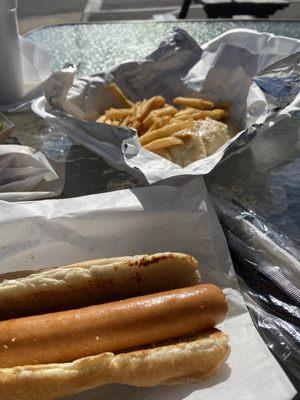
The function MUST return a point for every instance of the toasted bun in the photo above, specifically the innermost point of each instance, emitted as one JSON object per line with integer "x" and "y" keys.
{"x": 94, "y": 282}
{"x": 184, "y": 360}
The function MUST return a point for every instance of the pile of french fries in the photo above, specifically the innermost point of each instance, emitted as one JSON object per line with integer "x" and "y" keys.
{"x": 158, "y": 123}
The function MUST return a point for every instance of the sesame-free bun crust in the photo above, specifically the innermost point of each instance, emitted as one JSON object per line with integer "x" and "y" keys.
{"x": 94, "y": 282}
{"x": 174, "y": 362}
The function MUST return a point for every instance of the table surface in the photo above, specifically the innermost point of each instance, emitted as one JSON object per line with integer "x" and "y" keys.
{"x": 263, "y": 177}
{"x": 97, "y": 47}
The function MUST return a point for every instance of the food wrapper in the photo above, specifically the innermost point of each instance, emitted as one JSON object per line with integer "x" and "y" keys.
{"x": 268, "y": 264}
{"x": 173, "y": 216}
{"x": 257, "y": 72}
{"x": 26, "y": 174}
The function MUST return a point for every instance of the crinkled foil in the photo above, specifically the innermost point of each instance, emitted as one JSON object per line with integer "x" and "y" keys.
{"x": 257, "y": 72}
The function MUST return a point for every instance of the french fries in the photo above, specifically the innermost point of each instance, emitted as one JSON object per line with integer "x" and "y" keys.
{"x": 101, "y": 119}
{"x": 125, "y": 121}
{"x": 161, "y": 112}
{"x": 183, "y": 114}
{"x": 118, "y": 113}
{"x": 151, "y": 104}
{"x": 216, "y": 114}
{"x": 156, "y": 124}
{"x": 119, "y": 95}
{"x": 223, "y": 104}
{"x": 199, "y": 104}
{"x": 163, "y": 143}
{"x": 167, "y": 130}
{"x": 136, "y": 125}
{"x": 159, "y": 124}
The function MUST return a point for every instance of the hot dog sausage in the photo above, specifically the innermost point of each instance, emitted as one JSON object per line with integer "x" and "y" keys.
{"x": 68, "y": 335}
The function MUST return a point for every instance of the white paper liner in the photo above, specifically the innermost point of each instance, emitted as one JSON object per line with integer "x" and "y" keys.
{"x": 165, "y": 217}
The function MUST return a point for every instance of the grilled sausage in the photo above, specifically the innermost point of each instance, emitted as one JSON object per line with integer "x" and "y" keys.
{"x": 112, "y": 327}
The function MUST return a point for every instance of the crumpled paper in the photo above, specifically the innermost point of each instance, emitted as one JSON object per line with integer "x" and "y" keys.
{"x": 236, "y": 67}
{"x": 22, "y": 170}
{"x": 173, "y": 216}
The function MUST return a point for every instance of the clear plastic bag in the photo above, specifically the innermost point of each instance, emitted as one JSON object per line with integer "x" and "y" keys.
{"x": 268, "y": 267}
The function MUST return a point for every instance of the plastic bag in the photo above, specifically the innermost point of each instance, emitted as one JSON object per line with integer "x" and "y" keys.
{"x": 268, "y": 268}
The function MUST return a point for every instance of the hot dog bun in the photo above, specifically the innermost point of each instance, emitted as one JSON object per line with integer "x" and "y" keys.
{"x": 183, "y": 355}
{"x": 183, "y": 360}
{"x": 112, "y": 327}
{"x": 93, "y": 282}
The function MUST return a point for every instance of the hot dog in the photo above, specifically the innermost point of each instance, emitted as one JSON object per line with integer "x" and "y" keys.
{"x": 113, "y": 327}
{"x": 140, "y": 321}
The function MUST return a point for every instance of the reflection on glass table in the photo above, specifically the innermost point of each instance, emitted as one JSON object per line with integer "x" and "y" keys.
{"x": 96, "y": 47}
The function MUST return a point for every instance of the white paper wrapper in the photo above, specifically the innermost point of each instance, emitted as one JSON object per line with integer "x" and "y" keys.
{"x": 26, "y": 174}
{"x": 165, "y": 217}
{"x": 231, "y": 67}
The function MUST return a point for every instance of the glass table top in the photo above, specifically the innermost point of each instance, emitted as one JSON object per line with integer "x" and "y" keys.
{"x": 97, "y": 47}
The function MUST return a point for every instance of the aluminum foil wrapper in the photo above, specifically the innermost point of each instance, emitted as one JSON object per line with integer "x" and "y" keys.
{"x": 257, "y": 72}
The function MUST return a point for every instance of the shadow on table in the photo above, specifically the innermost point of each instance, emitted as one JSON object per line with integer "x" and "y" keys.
{"x": 86, "y": 173}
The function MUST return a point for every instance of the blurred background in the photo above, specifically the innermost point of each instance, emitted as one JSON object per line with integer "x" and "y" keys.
{"x": 35, "y": 13}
